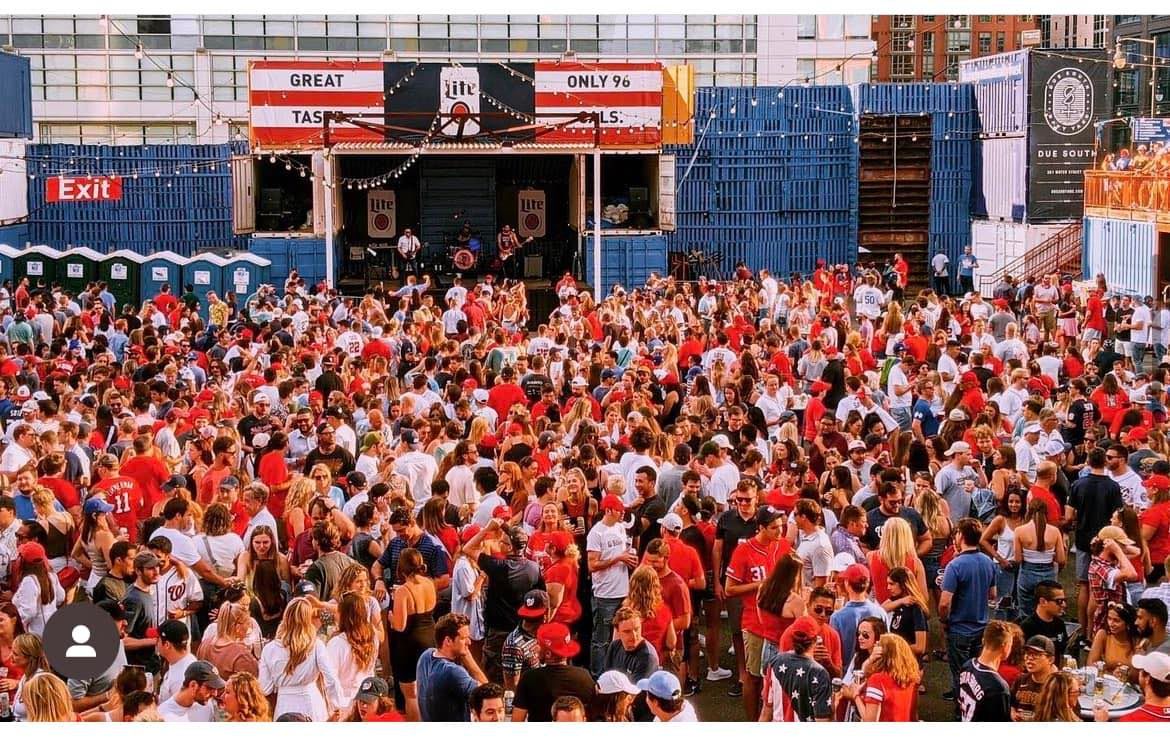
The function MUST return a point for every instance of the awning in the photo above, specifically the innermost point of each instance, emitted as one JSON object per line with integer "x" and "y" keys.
{"x": 474, "y": 147}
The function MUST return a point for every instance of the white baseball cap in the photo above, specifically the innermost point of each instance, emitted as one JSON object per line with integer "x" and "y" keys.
{"x": 616, "y": 682}
{"x": 1157, "y": 665}
{"x": 722, "y": 441}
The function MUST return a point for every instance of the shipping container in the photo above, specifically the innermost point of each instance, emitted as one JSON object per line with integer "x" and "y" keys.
{"x": 1001, "y": 179}
{"x": 997, "y": 244}
{"x": 306, "y": 255}
{"x": 15, "y": 236}
{"x": 13, "y": 181}
{"x": 16, "y": 94}
{"x": 1125, "y": 252}
{"x": 1001, "y": 92}
{"x": 626, "y": 261}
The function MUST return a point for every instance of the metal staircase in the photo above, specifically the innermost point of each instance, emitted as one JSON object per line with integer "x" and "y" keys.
{"x": 1059, "y": 253}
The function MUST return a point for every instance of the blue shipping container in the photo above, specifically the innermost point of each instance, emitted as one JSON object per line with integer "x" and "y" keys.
{"x": 16, "y": 92}
{"x": 14, "y": 235}
{"x": 1125, "y": 252}
{"x": 626, "y": 260}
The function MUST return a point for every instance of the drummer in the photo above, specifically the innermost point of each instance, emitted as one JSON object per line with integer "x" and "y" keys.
{"x": 464, "y": 239}
{"x": 1154, "y": 681}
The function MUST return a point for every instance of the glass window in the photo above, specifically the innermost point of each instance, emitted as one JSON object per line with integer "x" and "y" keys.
{"x": 1000, "y": 41}
{"x": 699, "y": 46}
{"x": 729, "y": 46}
{"x": 89, "y": 41}
{"x": 318, "y": 29}
{"x": 672, "y": 46}
{"x": 671, "y": 31}
{"x": 494, "y": 45}
{"x": 902, "y": 67}
{"x": 400, "y": 44}
{"x": 724, "y": 31}
{"x": 432, "y": 30}
{"x": 585, "y": 46}
{"x": 641, "y": 32}
{"x": 493, "y": 31}
{"x": 857, "y": 26}
{"x": 806, "y": 26}
{"x": 958, "y": 41}
{"x": 985, "y": 43}
{"x": 903, "y": 21}
{"x": 402, "y": 30}
{"x": 311, "y": 43}
{"x": 901, "y": 41}
{"x": 154, "y": 24}
{"x": 611, "y": 46}
{"x": 282, "y": 43}
{"x": 928, "y": 67}
{"x": 342, "y": 44}
{"x": 928, "y": 42}
{"x": 523, "y": 30}
{"x": 560, "y": 45}
{"x": 700, "y": 31}
{"x": 830, "y": 26}
{"x": 433, "y": 45}
{"x": 805, "y": 69}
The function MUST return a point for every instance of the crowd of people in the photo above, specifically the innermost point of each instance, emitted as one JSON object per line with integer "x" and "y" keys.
{"x": 415, "y": 505}
{"x": 1149, "y": 189}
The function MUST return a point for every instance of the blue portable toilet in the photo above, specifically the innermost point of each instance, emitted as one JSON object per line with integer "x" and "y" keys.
{"x": 122, "y": 272}
{"x": 77, "y": 268}
{"x": 244, "y": 274}
{"x": 204, "y": 272}
{"x": 8, "y": 255}
{"x": 158, "y": 268}
{"x": 38, "y": 263}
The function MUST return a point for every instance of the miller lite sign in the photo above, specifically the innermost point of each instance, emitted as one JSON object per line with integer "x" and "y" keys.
{"x": 459, "y": 101}
{"x": 531, "y": 219}
{"x": 65, "y": 188}
{"x": 380, "y": 214}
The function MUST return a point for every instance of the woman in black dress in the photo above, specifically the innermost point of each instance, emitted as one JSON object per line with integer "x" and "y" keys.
{"x": 413, "y": 624}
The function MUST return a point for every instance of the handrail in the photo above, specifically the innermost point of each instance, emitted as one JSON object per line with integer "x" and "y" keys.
{"x": 1058, "y": 253}
{"x": 1132, "y": 191}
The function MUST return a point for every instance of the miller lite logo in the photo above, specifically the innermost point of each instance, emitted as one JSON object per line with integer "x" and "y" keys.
{"x": 1068, "y": 101}
{"x": 74, "y": 189}
{"x": 459, "y": 101}
{"x": 381, "y": 221}
{"x": 531, "y": 220}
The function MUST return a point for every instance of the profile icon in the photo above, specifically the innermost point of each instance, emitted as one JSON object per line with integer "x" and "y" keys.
{"x": 81, "y": 647}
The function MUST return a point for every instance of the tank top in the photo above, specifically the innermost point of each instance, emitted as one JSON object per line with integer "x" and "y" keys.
{"x": 98, "y": 559}
{"x": 1005, "y": 545}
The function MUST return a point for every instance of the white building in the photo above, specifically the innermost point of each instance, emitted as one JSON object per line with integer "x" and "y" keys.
{"x": 132, "y": 79}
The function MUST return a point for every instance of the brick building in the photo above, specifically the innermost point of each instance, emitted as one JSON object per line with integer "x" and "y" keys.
{"x": 930, "y": 47}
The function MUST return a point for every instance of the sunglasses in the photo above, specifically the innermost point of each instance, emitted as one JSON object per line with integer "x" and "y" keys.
{"x": 824, "y": 611}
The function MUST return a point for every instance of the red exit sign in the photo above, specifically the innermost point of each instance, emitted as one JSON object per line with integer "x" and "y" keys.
{"x": 67, "y": 188}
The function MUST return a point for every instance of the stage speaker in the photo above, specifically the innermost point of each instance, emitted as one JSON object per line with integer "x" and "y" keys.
{"x": 533, "y": 265}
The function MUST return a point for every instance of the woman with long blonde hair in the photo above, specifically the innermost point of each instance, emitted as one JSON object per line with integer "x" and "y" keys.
{"x": 897, "y": 548}
{"x": 47, "y": 699}
{"x": 354, "y": 649}
{"x": 229, "y": 651}
{"x": 479, "y": 429}
{"x": 1059, "y": 699}
{"x": 893, "y": 682}
{"x": 645, "y": 597}
{"x": 293, "y": 663}
{"x": 59, "y": 526}
{"x": 296, "y": 506}
{"x": 243, "y": 701}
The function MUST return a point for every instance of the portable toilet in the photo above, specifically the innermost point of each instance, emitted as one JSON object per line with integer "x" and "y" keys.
{"x": 8, "y": 255}
{"x": 244, "y": 274}
{"x": 38, "y": 263}
{"x": 77, "y": 268}
{"x": 157, "y": 269}
{"x": 121, "y": 271}
{"x": 204, "y": 272}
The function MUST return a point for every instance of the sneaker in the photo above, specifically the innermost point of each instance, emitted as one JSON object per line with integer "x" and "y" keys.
{"x": 948, "y": 695}
{"x": 731, "y": 649}
{"x": 718, "y": 674}
{"x": 691, "y": 688}
{"x": 736, "y": 689}
{"x": 702, "y": 641}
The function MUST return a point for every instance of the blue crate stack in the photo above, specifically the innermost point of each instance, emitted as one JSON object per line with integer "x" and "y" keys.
{"x": 174, "y": 196}
{"x": 955, "y": 129}
{"x": 771, "y": 177}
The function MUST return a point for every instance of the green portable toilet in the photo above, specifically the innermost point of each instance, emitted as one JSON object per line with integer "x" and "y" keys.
{"x": 8, "y": 255}
{"x": 121, "y": 271}
{"x": 39, "y": 264}
{"x": 159, "y": 268}
{"x": 77, "y": 268}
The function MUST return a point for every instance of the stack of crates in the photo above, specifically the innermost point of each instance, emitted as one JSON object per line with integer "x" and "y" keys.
{"x": 770, "y": 179}
{"x": 176, "y": 197}
{"x": 954, "y": 130}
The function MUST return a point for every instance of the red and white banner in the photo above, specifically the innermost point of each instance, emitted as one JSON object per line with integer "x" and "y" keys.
{"x": 288, "y": 100}
{"x": 64, "y": 188}
{"x": 627, "y": 96}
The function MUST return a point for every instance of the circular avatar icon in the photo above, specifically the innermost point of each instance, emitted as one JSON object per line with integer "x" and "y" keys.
{"x": 81, "y": 641}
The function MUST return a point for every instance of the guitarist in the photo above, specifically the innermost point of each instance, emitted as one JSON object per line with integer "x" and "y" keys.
{"x": 507, "y": 242}
{"x": 408, "y": 249}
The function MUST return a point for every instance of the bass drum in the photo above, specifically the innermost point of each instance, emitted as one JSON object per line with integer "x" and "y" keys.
{"x": 464, "y": 260}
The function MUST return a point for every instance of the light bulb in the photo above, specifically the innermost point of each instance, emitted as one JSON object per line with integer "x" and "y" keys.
{"x": 138, "y": 52}
{"x": 170, "y": 80}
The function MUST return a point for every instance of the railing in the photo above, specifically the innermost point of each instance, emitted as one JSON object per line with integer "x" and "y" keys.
{"x": 1128, "y": 191}
{"x": 1059, "y": 253}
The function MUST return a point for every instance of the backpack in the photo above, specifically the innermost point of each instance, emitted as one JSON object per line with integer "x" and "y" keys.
{"x": 887, "y": 366}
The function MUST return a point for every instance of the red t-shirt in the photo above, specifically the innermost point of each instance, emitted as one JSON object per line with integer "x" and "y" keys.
{"x": 1158, "y": 517}
{"x": 273, "y": 472}
{"x": 1147, "y": 713}
{"x": 128, "y": 499}
{"x": 504, "y": 396}
{"x": 896, "y": 702}
{"x": 654, "y": 628}
{"x": 827, "y": 634}
{"x": 150, "y": 473}
{"x": 684, "y": 560}
{"x": 64, "y": 491}
{"x": 1055, "y": 516}
{"x": 750, "y": 563}
{"x": 570, "y": 607}
{"x": 209, "y": 486}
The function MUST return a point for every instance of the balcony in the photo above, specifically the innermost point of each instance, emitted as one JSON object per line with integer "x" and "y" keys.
{"x": 1129, "y": 195}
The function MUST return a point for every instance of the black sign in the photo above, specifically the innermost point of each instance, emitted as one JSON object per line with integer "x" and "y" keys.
{"x": 1067, "y": 97}
{"x": 448, "y": 101}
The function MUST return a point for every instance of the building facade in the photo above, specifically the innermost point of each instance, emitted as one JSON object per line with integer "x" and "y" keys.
{"x": 133, "y": 79}
{"x": 1142, "y": 69}
{"x": 1074, "y": 31}
{"x": 930, "y": 47}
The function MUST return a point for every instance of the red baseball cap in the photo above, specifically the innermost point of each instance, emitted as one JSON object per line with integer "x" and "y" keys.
{"x": 502, "y": 512}
{"x": 806, "y": 628}
{"x": 489, "y": 442}
{"x": 556, "y": 638}
{"x": 1138, "y": 434}
{"x": 468, "y": 532}
{"x": 856, "y": 575}
{"x": 612, "y": 503}
{"x": 1158, "y": 482}
{"x": 818, "y": 387}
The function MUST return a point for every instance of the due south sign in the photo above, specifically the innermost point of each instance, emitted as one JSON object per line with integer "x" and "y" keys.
{"x": 76, "y": 189}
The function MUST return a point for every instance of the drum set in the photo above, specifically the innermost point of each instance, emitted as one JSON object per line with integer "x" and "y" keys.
{"x": 465, "y": 259}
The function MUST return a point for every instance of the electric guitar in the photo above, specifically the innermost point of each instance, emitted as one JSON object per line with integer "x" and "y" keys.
{"x": 508, "y": 249}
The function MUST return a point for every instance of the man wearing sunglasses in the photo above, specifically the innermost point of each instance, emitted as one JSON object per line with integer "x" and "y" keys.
{"x": 1048, "y": 618}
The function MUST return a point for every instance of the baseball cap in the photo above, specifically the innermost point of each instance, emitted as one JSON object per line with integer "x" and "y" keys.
{"x": 30, "y": 407}
{"x": 205, "y": 673}
{"x": 261, "y": 397}
{"x": 229, "y": 481}
{"x": 304, "y": 588}
{"x": 1157, "y": 481}
{"x": 113, "y": 608}
{"x": 96, "y": 505}
{"x": 408, "y": 437}
{"x": 1138, "y": 434}
{"x": 534, "y": 606}
{"x": 555, "y": 638}
{"x": 766, "y": 515}
{"x": 805, "y": 627}
{"x": 721, "y": 440}
{"x": 1156, "y": 664}
{"x": 1114, "y": 533}
{"x": 145, "y": 560}
{"x": 465, "y": 535}
{"x": 174, "y": 632}
{"x": 1054, "y": 447}
{"x": 856, "y": 444}
{"x": 372, "y": 689}
{"x": 662, "y": 684}
{"x": 1040, "y": 644}
{"x": 616, "y": 682}
{"x": 1032, "y": 429}
{"x": 856, "y": 575}
{"x": 671, "y": 522}
{"x": 480, "y": 395}
{"x": 502, "y": 511}
{"x": 579, "y": 382}
{"x": 958, "y": 447}
{"x": 32, "y": 552}
{"x": 612, "y": 503}
{"x": 175, "y": 481}
{"x": 899, "y": 348}
{"x": 261, "y": 440}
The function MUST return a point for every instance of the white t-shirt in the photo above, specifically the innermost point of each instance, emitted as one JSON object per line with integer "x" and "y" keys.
{"x": 896, "y": 377}
{"x": 628, "y": 466}
{"x": 947, "y": 364}
{"x": 869, "y": 301}
{"x": 173, "y": 680}
{"x": 1133, "y": 491}
{"x": 182, "y": 546}
{"x": 609, "y": 542}
{"x": 940, "y": 262}
{"x": 1141, "y": 315}
{"x": 170, "y": 711}
{"x": 816, "y": 550}
{"x": 723, "y": 481}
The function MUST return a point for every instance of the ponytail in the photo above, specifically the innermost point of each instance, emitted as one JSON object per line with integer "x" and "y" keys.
{"x": 1038, "y": 515}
